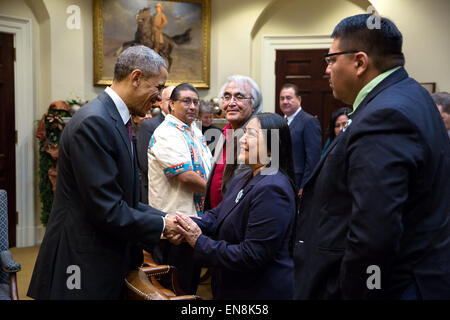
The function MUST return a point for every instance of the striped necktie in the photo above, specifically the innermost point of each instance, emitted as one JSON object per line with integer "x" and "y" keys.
{"x": 130, "y": 132}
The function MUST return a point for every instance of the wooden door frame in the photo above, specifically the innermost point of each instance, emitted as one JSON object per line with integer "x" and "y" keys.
{"x": 25, "y": 114}
{"x": 268, "y": 55}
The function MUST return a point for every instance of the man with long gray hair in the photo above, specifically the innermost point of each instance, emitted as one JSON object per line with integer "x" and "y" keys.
{"x": 241, "y": 99}
{"x": 96, "y": 223}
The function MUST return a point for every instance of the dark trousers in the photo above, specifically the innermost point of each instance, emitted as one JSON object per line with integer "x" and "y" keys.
{"x": 181, "y": 257}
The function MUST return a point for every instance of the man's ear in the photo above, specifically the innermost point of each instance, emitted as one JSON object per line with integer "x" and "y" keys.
{"x": 362, "y": 62}
{"x": 135, "y": 77}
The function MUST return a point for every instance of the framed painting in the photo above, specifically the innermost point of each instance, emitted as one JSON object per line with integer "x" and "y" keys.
{"x": 430, "y": 86}
{"x": 178, "y": 30}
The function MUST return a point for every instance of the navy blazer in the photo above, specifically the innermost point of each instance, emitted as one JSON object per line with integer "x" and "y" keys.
{"x": 379, "y": 197}
{"x": 246, "y": 239}
{"x": 306, "y": 145}
{"x": 143, "y": 135}
{"x": 97, "y": 223}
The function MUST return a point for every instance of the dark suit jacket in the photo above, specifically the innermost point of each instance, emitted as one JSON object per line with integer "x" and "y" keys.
{"x": 96, "y": 220}
{"x": 246, "y": 239}
{"x": 379, "y": 197}
{"x": 306, "y": 145}
{"x": 143, "y": 135}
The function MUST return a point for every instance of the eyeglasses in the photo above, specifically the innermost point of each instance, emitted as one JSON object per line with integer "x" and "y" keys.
{"x": 238, "y": 97}
{"x": 188, "y": 101}
{"x": 328, "y": 56}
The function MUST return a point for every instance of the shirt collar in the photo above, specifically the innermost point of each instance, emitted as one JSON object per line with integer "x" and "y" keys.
{"x": 177, "y": 122}
{"x": 292, "y": 116}
{"x": 370, "y": 86}
{"x": 120, "y": 105}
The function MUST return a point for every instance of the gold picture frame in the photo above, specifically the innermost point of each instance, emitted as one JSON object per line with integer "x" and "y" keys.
{"x": 430, "y": 86}
{"x": 185, "y": 39}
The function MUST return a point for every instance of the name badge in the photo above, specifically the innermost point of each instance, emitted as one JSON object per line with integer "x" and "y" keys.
{"x": 239, "y": 196}
{"x": 349, "y": 122}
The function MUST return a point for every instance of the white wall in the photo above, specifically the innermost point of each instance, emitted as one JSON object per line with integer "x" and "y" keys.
{"x": 425, "y": 26}
{"x": 71, "y": 52}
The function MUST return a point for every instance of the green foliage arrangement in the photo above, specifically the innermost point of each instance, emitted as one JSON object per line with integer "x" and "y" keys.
{"x": 54, "y": 124}
{"x": 45, "y": 186}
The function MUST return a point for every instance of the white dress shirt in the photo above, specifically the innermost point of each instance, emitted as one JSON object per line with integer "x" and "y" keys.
{"x": 292, "y": 116}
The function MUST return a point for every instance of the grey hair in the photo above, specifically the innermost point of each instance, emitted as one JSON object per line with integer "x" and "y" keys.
{"x": 205, "y": 107}
{"x": 442, "y": 99}
{"x": 241, "y": 81}
{"x": 138, "y": 57}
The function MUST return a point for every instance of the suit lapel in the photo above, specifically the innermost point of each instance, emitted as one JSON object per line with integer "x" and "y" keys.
{"x": 297, "y": 119}
{"x": 216, "y": 155}
{"x": 120, "y": 127}
{"x": 108, "y": 103}
{"x": 322, "y": 160}
{"x": 161, "y": 118}
{"x": 218, "y": 150}
{"x": 136, "y": 183}
{"x": 239, "y": 192}
{"x": 397, "y": 76}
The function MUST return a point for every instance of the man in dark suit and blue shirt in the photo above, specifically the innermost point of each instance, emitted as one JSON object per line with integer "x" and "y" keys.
{"x": 97, "y": 224}
{"x": 305, "y": 133}
{"x": 374, "y": 220}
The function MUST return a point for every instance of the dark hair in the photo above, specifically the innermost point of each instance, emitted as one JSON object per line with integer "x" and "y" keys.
{"x": 138, "y": 57}
{"x": 442, "y": 99}
{"x": 291, "y": 86}
{"x": 334, "y": 116}
{"x": 383, "y": 42}
{"x": 269, "y": 121}
{"x": 181, "y": 87}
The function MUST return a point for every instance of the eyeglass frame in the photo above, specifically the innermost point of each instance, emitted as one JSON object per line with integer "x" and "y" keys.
{"x": 328, "y": 55}
{"x": 231, "y": 96}
{"x": 185, "y": 102}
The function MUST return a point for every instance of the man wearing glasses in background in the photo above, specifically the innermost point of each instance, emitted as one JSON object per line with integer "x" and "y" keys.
{"x": 179, "y": 162}
{"x": 374, "y": 220}
{"x": 241, "y": 99}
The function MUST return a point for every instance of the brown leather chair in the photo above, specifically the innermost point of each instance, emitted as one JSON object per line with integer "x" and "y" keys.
{"x": 143, "y": 283}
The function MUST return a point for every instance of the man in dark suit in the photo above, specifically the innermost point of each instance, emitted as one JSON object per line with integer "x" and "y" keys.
{"x": 143, "y": 135}
{"x": 305, "y": 132}
{"x": 374, "y": 220}
{"x": 97, "y": 224}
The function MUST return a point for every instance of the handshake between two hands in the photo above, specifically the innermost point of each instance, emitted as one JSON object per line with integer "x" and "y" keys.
{"x": 180, "y": 228}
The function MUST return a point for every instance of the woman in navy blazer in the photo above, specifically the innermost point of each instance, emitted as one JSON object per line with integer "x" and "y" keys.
{"x": 246, "y": 240}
